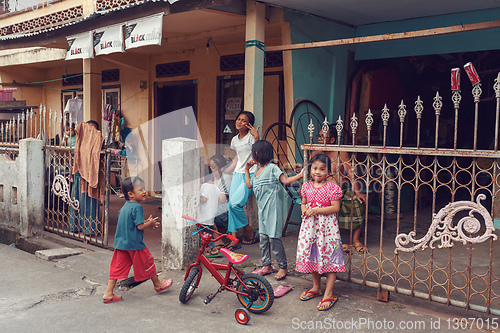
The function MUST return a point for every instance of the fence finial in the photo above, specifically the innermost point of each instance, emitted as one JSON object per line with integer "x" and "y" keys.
{"x": 419, "y": 107}
{"x": 339, "y": 127}
{"x": 325, "y": 128}
{"x": 354, "y": 127}
{"x": 438, "y": 103}
{"x": 310, "y": 129}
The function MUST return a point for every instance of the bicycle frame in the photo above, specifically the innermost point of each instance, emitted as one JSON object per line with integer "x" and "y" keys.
{"x": 214, "y": 267}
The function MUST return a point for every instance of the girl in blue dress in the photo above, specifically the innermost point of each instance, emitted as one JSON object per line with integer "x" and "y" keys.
{"x": 266, "y": 187}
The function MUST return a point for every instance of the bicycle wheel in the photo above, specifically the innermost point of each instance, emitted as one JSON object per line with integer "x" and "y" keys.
{"x": 260, "y": 293}
{"x": 189, "y": 285}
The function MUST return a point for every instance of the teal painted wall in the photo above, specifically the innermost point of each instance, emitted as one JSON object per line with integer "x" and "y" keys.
{"x": 451, "y": 43}
{"x": 319, "y": 75}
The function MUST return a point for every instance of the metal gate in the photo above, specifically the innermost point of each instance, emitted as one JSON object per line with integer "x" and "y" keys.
{"x": 69, "y": 210}
{"x": 432, "y": 235}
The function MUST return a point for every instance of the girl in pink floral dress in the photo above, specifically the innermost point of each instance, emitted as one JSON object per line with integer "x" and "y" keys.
{"x": 319, "y": 249}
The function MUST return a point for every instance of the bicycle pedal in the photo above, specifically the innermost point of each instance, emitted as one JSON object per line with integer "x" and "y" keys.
{"x": 209, "y": 298}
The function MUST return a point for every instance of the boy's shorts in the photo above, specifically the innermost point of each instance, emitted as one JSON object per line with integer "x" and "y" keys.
{"x": 142, "y": 260}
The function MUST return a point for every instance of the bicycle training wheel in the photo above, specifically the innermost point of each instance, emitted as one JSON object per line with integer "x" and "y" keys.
{"x": 190, "y": 285}
{"x": 242, "y": 316}
{"x": 260, "y": 293}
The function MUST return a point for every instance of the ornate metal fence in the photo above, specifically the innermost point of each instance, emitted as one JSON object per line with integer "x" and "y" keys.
{"x": 428, "y": 228}
{"x": 69, "y": 209}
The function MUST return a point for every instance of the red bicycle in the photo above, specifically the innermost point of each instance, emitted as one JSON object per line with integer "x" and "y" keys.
{"x": 253, "y": 291}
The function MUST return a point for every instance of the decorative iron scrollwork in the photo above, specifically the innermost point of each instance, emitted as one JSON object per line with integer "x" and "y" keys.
{"x": 442, "y": 228}
{"x": 61, "y": 188}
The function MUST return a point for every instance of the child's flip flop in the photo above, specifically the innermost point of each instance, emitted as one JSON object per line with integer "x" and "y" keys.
{"x": 113, "y": 299}
{"x": 164, "y": 285}
{"x": 309, "y": 291}
{"x": 331, "y": 300}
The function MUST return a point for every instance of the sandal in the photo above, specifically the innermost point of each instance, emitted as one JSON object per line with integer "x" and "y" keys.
{"x": 331, "y": 300}
{"x": 313, "y": 294}
{"x": 281, "y": 290}
{"x": 346, "y": 248}
{"x": 216, "y": 248}
{"x": 359, "y": 247}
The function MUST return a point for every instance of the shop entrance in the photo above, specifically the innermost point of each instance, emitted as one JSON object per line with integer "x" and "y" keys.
{"x": 175, "y": 115}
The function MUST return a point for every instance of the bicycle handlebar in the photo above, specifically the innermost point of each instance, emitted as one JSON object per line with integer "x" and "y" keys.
{"x": 229, "y": 236}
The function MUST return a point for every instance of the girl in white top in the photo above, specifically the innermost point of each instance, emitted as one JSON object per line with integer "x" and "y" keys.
{"x": 239, "y": 193}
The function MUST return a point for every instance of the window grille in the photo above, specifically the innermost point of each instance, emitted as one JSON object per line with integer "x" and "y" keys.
{"x": 173, "y": 69}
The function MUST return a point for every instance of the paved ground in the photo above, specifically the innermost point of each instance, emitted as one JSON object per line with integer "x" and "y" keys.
{"x": 66, "y": 295}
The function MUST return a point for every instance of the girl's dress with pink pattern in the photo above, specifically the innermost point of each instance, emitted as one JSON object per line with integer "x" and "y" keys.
{"x": 319, "y": 248}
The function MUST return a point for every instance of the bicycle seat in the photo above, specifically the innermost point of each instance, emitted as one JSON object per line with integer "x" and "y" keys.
{"x": 234, "y": 258}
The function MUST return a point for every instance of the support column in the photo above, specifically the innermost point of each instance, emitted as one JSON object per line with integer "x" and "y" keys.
{"x": 181, "y": 195}
{"x": 92, "y": 90}
{"x": 31, "y": 184}
{"x": 254, "y": 59}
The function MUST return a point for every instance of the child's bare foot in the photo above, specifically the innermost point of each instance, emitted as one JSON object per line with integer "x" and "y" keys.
{"x": 281, "y": 274}
{"x": 162, "y": 285}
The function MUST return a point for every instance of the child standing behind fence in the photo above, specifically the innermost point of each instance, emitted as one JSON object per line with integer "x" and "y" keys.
{"x": 130, "y": 250}
{"x": 266, "y": 186}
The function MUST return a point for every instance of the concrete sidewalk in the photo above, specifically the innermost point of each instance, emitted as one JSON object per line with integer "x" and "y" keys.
{"x": 66, "y": 295}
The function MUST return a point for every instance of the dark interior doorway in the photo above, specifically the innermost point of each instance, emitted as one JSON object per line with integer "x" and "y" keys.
{"x": 175, "y": 115}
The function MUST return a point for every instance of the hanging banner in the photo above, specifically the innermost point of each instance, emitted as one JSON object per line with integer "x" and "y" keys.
{"x": 79, "y": 46}
{"x": 146, "y": 31}
{"x": 108, "y": 40}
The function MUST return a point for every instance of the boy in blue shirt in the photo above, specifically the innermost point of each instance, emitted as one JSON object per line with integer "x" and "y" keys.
{"x": 130, "y": 250}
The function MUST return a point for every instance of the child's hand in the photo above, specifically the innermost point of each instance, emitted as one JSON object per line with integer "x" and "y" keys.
{"x": 153, "y": 222}
{"x": 310, "y": 212}
{"x": 254, "y": 131}
{"x": 249, "y": 164}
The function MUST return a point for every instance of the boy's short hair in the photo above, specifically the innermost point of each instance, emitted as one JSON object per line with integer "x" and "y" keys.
{"x": 262, "y": 152}
{"x": 128, "y": 185}
{"x": 93, "y": 122}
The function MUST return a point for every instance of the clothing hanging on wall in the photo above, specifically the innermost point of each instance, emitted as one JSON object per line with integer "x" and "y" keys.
{"x": 74, "y": 107}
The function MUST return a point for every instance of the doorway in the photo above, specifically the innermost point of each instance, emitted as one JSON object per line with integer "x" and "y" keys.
{"x": 175, "y": 115}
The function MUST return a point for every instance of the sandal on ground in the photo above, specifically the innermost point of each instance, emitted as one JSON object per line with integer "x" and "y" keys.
{"x": 263, "y": 271}
{"x": 213, "y": 255}
{"x": 359, "y": 247}
{"x": 164, "y": 285}
{"x": 113, "y": 299}
{"x": 281, "y": 290}
{"x": 346, "y": 248}
{"x": 214, "y": 252}
{"x": 313, "y": 294}
{"x": 331, "y": 300}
